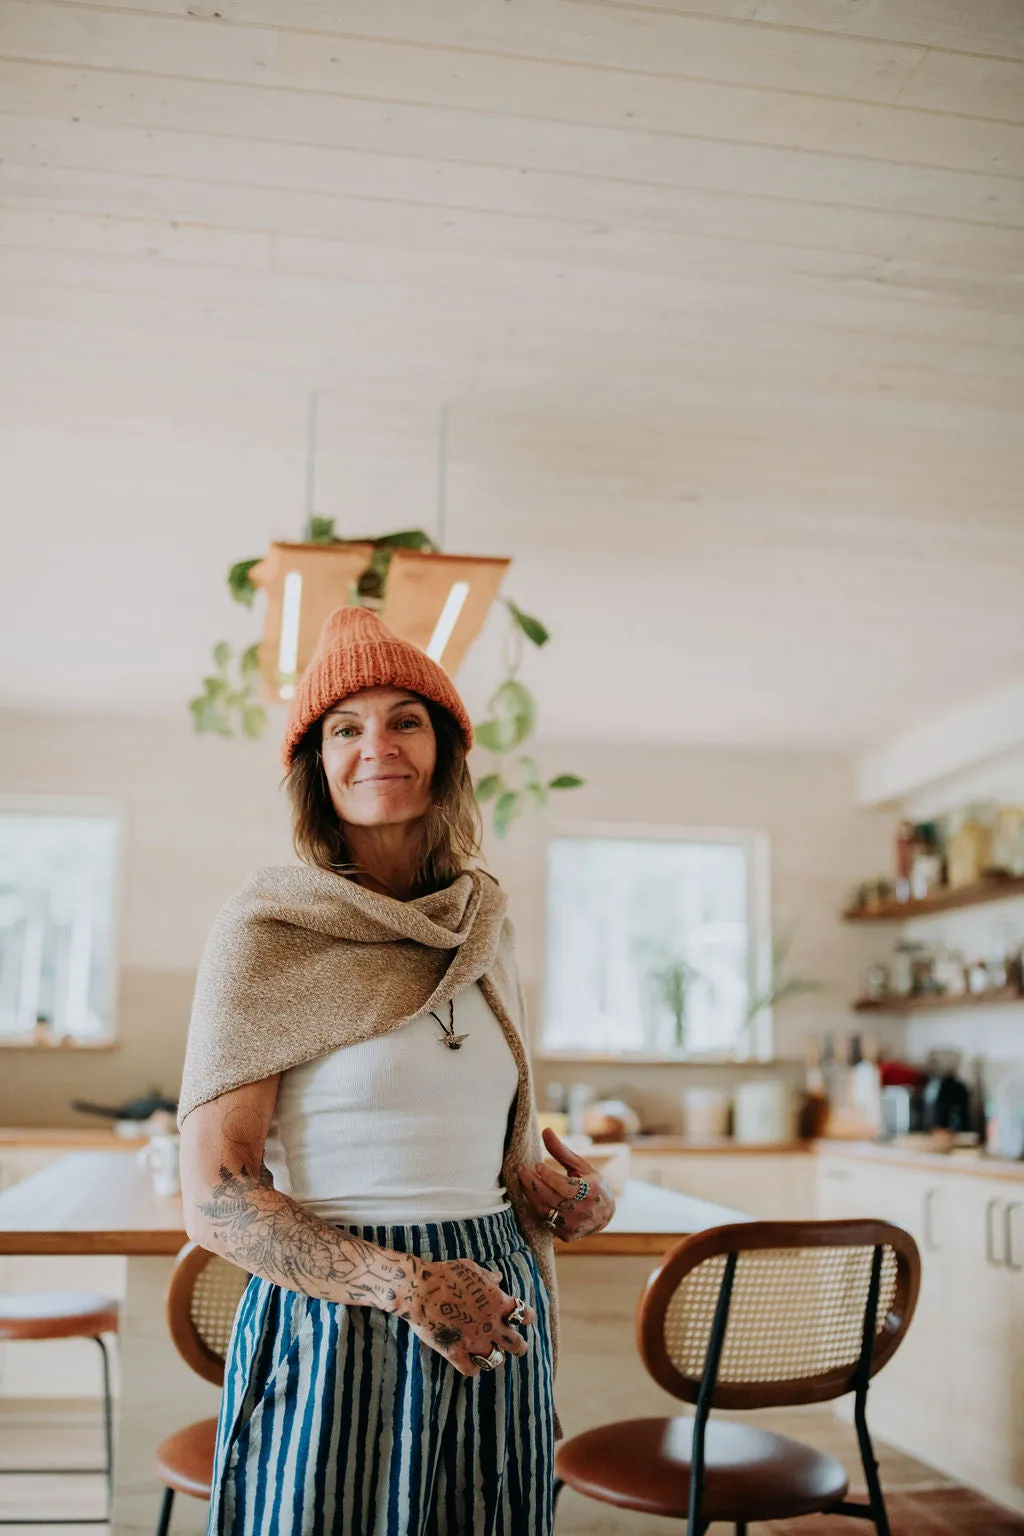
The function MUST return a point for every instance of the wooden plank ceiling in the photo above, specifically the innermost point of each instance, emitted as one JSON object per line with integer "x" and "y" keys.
{"x": 725, "y": 300}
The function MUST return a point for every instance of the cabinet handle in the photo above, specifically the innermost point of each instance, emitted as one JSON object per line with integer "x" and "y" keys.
{"x": 929, "y": 1232}
{"x": 1008, "y": 1211}
{"x": 990, "y": 1242}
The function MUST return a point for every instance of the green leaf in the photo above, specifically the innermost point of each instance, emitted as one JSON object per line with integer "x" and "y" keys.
{"x": 222, "y": 655}
{"x": 535, "y": 787}
{"x": 532, "y": 628}
{"x": 319, "y": 530}
{"x": 241, "y": 587}
{"x": 498, "y": 736}
{"x": 217, "y": 688}
{"x": 408, "y": 538}
{"x": 249, "y": 663}
{"x": 254, "y": 720}
{"x": 506, "y": 810}
{"x": 487, "y": 787}
{"x": 565, "y": 781}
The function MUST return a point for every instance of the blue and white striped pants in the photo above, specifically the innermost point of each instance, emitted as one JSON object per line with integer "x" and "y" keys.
{"x": 338, "y": 1421}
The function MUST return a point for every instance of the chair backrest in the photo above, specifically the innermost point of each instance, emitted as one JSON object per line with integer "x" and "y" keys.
{"x": 201, "y": 1303}
{"x": 797, "y": 1294}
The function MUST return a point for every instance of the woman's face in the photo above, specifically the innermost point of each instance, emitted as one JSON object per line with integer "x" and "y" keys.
{"x": 379, "y": 755}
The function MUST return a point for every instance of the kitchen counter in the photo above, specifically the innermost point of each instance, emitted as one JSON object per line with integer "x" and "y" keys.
{"x": 967, "y": 1161}
{"x": 71, "y": 1137}
{"x": 103, "y": 1202}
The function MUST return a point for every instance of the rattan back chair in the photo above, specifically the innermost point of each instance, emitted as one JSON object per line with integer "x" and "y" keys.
{"x": 202, "y": 1300}
{"x": 759, "y": 1314}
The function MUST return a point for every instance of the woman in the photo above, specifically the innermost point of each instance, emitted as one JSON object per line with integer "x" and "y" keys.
{"x": 359, "y": 1132}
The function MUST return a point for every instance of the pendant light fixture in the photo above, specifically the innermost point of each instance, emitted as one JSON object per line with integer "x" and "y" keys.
{"x": 438, "y": 601}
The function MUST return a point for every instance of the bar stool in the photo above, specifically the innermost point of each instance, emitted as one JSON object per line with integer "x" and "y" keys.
{"x": 65, "y": 1315}
{"x": 202, "y": 1300}
{"x": 763, "y": 1314}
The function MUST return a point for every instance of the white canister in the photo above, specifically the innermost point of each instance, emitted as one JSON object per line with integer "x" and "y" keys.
{"x": 763, "y": 1111}
{"x": 161, "y": 1155}
{"x": 705, "y": 1113}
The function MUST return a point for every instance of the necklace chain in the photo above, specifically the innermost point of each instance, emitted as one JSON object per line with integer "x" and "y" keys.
{"x": 448, "y": 1036}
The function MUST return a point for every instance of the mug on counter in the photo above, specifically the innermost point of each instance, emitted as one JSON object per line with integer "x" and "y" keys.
{"x": 162, "y": 1156}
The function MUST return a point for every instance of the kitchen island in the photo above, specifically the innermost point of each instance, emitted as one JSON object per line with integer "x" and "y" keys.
{"x": 91, "y": 1203}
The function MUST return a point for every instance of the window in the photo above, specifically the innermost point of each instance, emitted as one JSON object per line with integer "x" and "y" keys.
{"x": 652, "y": 944}
{"x": 58, "y": 877}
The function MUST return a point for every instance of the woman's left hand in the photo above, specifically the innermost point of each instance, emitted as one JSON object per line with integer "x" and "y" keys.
{"x": 554, "y": 1186}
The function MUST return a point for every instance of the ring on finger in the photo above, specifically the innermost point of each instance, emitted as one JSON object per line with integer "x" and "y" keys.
{"x": 554, "y": 1219}
{"x": 583, "y": 1191}
{"x": 518, "y": 1313}
{"x": 488, "y": 1362}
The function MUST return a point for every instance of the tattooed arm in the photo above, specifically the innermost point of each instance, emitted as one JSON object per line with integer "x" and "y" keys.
{"x": 232, "y": 1208}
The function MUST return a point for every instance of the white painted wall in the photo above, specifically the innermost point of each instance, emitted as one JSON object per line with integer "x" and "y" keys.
{"x": 201, "y": 813}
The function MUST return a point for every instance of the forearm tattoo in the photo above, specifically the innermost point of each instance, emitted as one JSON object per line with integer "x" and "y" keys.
{"x": 255, "y": 1226}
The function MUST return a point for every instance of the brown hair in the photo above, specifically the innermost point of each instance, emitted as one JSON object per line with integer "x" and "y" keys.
{"x": 451, "y": 827}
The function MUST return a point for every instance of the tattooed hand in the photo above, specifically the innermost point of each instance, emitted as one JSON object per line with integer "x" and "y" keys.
{"x": 459, "y": 1309}
{"x": 550, "y": 1187}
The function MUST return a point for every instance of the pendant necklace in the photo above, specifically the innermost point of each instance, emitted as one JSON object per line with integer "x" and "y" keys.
{"x": 448, "y": 1036}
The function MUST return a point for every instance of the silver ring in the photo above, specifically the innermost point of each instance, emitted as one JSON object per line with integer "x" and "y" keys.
{"x": 518, "y": 1313}
{"x": 488, "y": 1362}
{"x": 554, "y": 1219}
{"x": 583, "y": 1191}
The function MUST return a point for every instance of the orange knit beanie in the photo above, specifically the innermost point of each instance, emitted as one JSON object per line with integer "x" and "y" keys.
{"x": 356, "y": 650}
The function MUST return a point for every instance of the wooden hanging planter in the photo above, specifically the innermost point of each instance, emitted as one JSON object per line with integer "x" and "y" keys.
{"x": 439, "y": 602}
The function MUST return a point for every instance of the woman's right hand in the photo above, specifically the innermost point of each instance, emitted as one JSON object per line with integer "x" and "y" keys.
{"x": 459, "y": 1309}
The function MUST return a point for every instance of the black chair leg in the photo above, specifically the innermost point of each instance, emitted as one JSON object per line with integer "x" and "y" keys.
{"x": 741, "y": 1528}
{"x": 108, "y": 1426}
{"x": 163, "y": 1524}
{"x": 876, "y": 1502}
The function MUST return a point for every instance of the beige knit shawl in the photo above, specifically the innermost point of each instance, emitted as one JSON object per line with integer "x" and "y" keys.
{"x": 302, "y": 961}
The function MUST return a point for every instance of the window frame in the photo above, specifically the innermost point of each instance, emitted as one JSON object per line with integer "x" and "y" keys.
{"x": 759, "y": 923}
{"x": 81, "y": 806}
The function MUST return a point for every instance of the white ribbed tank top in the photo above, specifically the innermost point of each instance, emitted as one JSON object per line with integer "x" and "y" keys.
{"x": 399, "y": 1129}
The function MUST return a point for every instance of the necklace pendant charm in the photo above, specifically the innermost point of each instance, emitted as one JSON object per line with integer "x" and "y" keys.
{"x": 453, "y": 1042}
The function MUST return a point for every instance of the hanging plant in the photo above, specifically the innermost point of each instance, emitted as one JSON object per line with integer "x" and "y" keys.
{"x": 515, "y": 784}
{"x": 229, "y": 702}
{"x": 229, "y": 699}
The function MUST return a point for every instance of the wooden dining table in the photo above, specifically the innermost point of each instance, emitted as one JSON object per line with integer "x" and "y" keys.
{"x": 89, "y": 1203}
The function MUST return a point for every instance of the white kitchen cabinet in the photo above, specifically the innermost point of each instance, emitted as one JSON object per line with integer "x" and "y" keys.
{"x": 953, "y": 1395}
{"x": 772, "y": 1185}
{"x": 52, "y": 1368}
{"x": 908, "y": 1403}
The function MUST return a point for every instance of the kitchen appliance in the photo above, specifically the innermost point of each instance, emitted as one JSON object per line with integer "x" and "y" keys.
{"x": 945, "y": 1098}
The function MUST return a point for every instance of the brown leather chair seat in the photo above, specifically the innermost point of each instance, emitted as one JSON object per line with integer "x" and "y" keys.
{"x": 184, "y": 1461}
{"x": 750, "y": 1474}
{"x": 57, "y": 1315}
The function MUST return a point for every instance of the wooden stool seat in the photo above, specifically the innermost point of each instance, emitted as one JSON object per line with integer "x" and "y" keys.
{"x": 749, "y": 1473}
{"x": 57, "y": 1315}
{"x": 184, "y": 1461}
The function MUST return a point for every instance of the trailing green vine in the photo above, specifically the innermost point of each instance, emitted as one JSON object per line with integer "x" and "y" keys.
{"x": 229, "y": 700}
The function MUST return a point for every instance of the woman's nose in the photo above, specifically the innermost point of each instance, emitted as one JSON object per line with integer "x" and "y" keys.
{"x": 376, "y": 741}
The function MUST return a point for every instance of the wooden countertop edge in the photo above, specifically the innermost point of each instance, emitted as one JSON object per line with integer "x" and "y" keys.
{"x": 725, "y": 1147}
{"x": 124, "y": 1244}
{"x": 974, "y": 1167}
{"x": 166, "y": 1244}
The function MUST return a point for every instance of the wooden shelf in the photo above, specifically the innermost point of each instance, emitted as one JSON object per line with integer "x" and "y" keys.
{"x": 937, "y": 1004}
{"x": 992, "y": 888}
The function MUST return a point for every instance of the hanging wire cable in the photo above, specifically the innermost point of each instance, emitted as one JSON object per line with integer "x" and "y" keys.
{"x": 312, "y": 406}
{"x": 442, "y": 475}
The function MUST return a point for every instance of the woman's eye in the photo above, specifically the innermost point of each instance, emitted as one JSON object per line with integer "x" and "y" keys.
{"x": 410, "y": 720}
{"x": 343, "y": 730}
